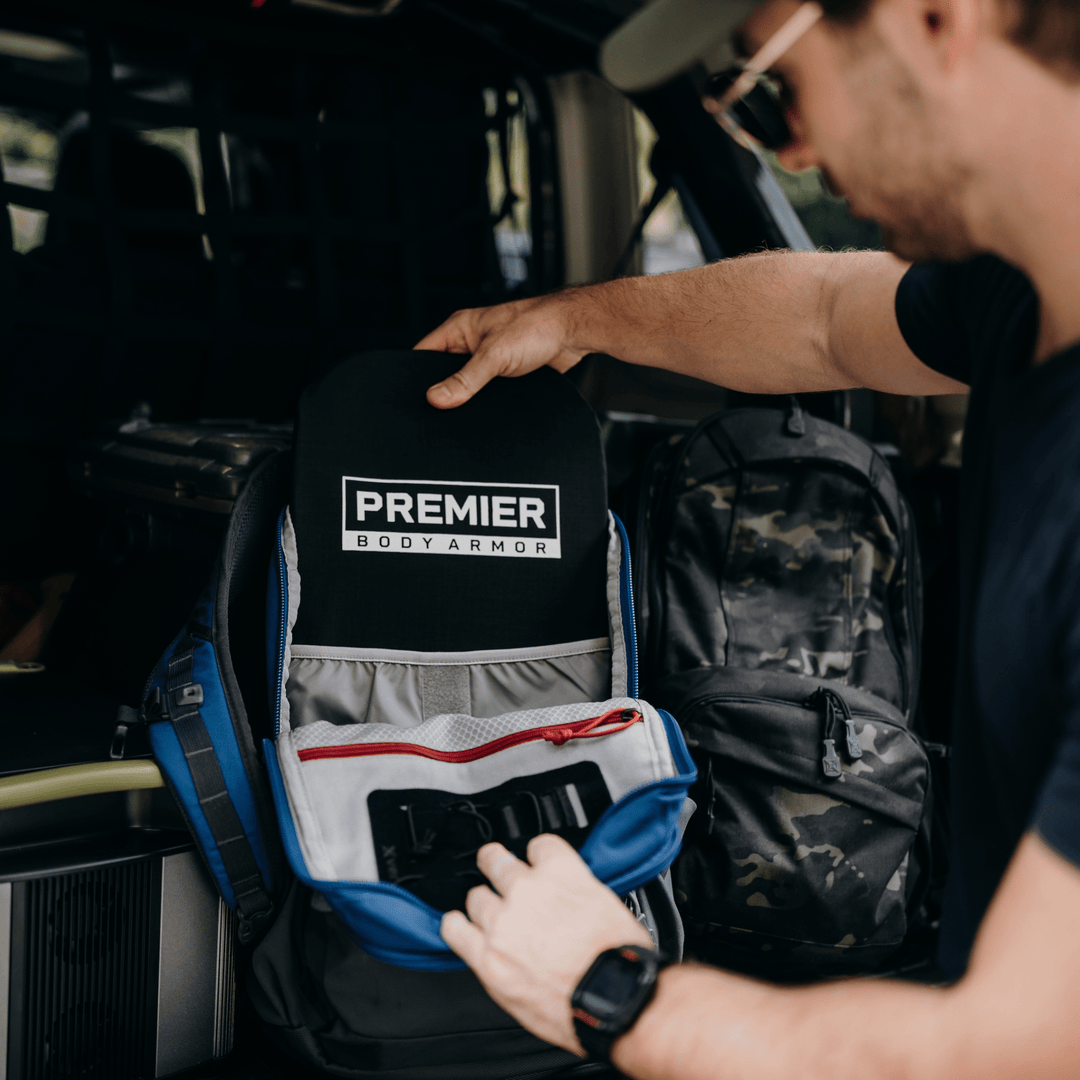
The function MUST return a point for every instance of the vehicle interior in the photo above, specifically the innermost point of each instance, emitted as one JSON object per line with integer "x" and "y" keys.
{"x": 209, "y": 204}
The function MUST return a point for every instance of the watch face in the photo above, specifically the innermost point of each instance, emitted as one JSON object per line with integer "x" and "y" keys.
{"x": 610, "y": 987}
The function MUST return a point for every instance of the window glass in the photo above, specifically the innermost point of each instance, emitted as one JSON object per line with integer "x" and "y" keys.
{"x": 508, "y": 182}
{"x": 28, "y": 151}
{"x": 825, "y": 217}
{"x": 668, "y": 242}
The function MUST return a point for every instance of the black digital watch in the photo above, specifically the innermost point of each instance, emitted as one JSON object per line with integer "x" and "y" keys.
{"x": 612, "y": 995}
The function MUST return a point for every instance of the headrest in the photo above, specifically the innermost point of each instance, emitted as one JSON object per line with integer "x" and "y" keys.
{"x": 482, "y": 527}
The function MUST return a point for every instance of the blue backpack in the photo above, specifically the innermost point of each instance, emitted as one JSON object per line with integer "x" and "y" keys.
{"x": 449, "y": 639}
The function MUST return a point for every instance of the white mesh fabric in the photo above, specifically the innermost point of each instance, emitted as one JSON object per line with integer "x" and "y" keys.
{"x": 452, "y": 732}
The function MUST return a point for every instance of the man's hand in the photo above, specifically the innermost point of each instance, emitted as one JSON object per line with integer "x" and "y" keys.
{"x": 530, "y": 942}
{"x": 511, "y": 339}
{"x": 775, "y": 323}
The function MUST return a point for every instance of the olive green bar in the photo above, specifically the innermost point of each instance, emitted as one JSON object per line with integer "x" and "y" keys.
{"x": 73, "y": 780}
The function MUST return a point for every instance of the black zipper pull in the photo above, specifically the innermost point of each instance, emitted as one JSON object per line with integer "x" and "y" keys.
{"x": 835, "y": 707}
{"x": 795, "y": 423}
{"x": 710, "y": 806}
{"x": 854, "y": 747}
{"x": 830, "y": 763}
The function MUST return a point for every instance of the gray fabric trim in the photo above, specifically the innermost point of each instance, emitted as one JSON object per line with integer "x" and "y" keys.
{"x": 442, "y": 659}
{"x": 341, "y": 691}
{"x": 444, "y": 688}
{"x": 658, "y": 898}
{"x": 619, "y": 666}
{"x": 353, "y": 691}
{"x": 292, "y": 570}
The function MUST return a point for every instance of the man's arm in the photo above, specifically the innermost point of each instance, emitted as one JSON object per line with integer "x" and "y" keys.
{"x": 774, "y": 323}
{"x": 1012, "y": 1016}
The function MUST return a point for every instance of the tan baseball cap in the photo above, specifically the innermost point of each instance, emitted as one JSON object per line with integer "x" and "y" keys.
{"x": 668, "y": 37}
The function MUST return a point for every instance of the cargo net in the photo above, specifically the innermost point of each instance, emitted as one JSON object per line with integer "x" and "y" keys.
{"x": 202, "y": 216}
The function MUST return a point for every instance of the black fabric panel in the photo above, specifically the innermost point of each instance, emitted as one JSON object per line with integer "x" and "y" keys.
{"x": 328, "y": 1003}
{"x": 426, "y": 841}
{"x": 221, "y": 815}
{"x": 240, "y": 632}
{"x": 369, "y": 418}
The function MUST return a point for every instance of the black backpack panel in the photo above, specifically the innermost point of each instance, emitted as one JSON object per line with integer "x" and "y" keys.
{"x": 779, "y": 542}
{"x": 418, "y": 600}
{"x": 780, "y": 592}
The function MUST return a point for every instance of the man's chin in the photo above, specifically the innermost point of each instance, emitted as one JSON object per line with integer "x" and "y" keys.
{"x": 915, "y": 245}
{"x": 915, "y": 242}
{"x": 829, "y": 182}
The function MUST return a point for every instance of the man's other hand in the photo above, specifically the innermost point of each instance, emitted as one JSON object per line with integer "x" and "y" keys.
{"x": 510, "y": 339}
{"x": 532, "y": 939}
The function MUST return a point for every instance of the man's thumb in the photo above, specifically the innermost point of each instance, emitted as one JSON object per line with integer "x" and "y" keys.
{"x": 463, "y": 384}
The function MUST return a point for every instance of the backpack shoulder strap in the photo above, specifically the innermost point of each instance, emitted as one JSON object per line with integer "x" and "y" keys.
{"x": 201, "y": 702}
{"x": 178, "y": 703}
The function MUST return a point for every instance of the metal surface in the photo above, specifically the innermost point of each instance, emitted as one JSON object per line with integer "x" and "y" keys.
{"x": 81, "y": 971}
{"x": 5, "y": 972}
{"x": 594, "y": 127}
{"x": 71, "y": 781}
{"x": 128, "y": 968}
{"x": 225, "y": 982}
{"x": 196, "y": 985}
{"x": 376, "y": 11}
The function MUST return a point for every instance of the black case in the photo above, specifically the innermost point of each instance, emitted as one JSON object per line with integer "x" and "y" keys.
{"x": 157, "y": 500}
{"x": 185, "y": 470}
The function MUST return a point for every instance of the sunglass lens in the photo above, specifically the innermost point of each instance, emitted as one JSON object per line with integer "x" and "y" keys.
{"x": 760, "y": 112}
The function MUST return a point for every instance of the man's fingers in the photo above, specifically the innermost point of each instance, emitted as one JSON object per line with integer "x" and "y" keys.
{"x": 463, "y": 384}
{"x": 548, "y": 847}
{"x": 439, "y": 340}
{"x": 453, "y": 336}
{"x": 480, "y": 905}
{"x": 466, "y": 939}
{"x": 501, "y": 867}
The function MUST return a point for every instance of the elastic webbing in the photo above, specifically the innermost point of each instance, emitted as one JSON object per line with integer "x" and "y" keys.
{"x": 252, "y": 902}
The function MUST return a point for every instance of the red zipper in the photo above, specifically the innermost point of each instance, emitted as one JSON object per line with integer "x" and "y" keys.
{"x": 596, "y": 726}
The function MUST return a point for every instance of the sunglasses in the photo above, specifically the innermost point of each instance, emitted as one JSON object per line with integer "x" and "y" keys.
{"x": 750, "y": 104}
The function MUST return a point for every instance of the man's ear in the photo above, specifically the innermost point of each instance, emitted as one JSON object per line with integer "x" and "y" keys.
{"x": 950, "y": 27}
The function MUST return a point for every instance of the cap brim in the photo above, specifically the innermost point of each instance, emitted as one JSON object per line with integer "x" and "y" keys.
{"x": 666, "y": 38}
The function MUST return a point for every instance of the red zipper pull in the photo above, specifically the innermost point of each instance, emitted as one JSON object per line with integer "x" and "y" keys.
{"x": 591, "y": 728}
{"x": 560, "y": 735}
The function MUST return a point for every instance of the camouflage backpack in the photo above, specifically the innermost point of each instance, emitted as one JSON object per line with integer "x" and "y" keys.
{"x": 780, "y": 594}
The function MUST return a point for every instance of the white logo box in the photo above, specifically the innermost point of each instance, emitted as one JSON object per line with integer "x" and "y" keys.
{"x": 417, "y": 517}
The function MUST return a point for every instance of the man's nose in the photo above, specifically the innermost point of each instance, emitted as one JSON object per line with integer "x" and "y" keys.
{"x": 799, "y": 153}
{"x": 796, "y": 156}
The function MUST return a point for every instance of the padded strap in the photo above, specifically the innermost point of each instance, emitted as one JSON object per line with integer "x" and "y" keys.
{"x": 182, "y": 700}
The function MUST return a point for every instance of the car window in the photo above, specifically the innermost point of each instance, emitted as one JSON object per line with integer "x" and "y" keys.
{"x": 668, "y": 240}
{"x": 826, "y": 217}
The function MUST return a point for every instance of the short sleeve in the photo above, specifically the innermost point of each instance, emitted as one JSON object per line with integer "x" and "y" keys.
{"x": 1057, "y": 813}
{"x": 1056, "y": 817}
{"x": 956, "y": 317}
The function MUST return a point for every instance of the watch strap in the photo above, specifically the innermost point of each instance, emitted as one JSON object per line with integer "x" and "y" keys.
{"x": 596, "y": 1045}
{"x": 597, "y": 1035}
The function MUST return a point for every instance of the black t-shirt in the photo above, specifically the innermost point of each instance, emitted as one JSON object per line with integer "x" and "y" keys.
{"x": 1016, "y": 725}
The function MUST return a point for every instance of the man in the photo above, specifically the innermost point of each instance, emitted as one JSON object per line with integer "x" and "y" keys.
{"x": 956, "y": 124}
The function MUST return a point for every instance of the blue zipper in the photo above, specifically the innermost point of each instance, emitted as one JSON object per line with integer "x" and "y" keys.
{"x": 283, "y": 611}
{"x": 629, "y": 618}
